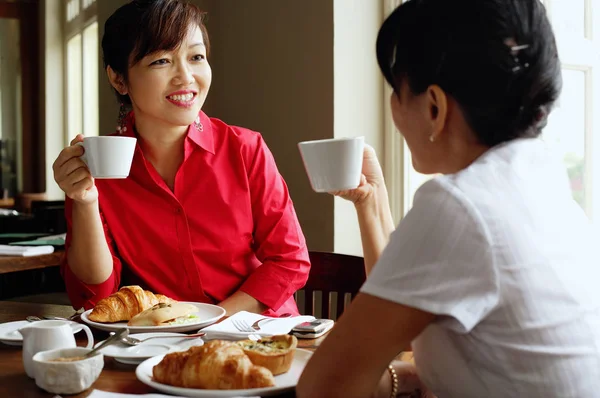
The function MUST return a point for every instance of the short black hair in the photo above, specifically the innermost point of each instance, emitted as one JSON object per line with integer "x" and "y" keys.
{"x": 142, "y": 27}
{"x": 497, "y": 58}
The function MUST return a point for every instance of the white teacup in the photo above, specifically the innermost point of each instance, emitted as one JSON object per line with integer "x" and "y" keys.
{"x": 108, "y": 156}
{"x": 333, "y": 164}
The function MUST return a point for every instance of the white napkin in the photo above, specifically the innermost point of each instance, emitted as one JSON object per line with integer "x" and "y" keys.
{"x": 226, "y": 331}
{"x": 25, "y": 251}
{"x": 106, "y": 394}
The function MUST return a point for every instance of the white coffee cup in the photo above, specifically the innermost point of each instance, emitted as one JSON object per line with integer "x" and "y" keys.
{"x": 333, "y": 164}
{"x": 108, "y": 156}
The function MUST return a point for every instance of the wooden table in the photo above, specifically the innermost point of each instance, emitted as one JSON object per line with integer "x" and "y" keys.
{"x": 115, "y": 377}
{"x": 15, "y": 264}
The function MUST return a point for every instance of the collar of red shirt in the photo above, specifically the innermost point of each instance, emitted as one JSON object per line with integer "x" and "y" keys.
{"x": 201, "y": 137}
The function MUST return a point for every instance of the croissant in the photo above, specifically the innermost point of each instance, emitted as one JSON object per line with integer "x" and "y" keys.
{"x": 216, "y": 365}
{"x": 125, "y": 304}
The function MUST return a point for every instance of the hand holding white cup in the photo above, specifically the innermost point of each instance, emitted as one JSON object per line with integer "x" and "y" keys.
{"x": 108, "y": 156}
{"x": 333, "y": 165}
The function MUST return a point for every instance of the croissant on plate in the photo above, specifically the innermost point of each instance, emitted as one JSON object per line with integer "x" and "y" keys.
{"x": 216, "y": 365}
{"x": 125, "y": 304}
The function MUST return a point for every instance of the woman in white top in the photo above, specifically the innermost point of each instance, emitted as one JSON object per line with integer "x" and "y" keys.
{"x": 492, "y": 275}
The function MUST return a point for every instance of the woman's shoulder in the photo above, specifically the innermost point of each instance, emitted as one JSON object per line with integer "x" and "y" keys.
{"x": 446, "y": 195}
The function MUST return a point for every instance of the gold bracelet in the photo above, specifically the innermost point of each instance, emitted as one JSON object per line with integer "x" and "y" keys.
{"x": 394, "y": 377}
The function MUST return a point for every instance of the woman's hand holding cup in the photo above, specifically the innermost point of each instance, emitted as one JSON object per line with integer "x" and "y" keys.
{"x": 72, "y": 175}
{"x": 371, "y": 179}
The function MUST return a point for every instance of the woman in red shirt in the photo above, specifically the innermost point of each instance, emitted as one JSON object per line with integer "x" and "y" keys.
{"x": 204, "y": 214}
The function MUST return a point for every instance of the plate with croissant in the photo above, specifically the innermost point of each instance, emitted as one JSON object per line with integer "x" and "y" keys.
{"x": 143, "y": 311}
{"x": 222, "y": 368}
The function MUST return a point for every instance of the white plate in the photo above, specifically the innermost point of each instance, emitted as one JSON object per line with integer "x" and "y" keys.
{"x": 133, "y": 355}
{"x": 284, "y": 382}
{"x": 207, "y": 315}
{"x": 10, "y": 335}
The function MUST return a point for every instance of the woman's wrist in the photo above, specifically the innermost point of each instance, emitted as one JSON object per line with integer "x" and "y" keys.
{"x": 85, "y": 207}
{"x": 377, "y": 206}
{"x": 373, "y": 201}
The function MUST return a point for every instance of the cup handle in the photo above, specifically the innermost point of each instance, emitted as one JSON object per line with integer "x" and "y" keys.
{"x": 87, "y": 331}
{"x": 82, "y": 157}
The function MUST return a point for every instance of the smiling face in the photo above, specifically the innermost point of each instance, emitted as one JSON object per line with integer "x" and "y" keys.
{"x": 168, "y": 88}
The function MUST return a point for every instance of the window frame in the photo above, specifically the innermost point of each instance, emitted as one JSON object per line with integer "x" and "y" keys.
{"x": 76, "y": 26}
{"x": 396, "y": 160}
{"x": 588, "y": 62}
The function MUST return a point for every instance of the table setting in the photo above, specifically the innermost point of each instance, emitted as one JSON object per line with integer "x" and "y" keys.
{"x": 52, "y": 352}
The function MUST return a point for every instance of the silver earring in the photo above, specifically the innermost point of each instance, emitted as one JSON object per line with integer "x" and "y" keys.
{"x": 198, "y": 124}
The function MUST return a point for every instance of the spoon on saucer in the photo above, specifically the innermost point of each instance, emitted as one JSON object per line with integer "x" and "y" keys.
{"x": 114, "y": 338}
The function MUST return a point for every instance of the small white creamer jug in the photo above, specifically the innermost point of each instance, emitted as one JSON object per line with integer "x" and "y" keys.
{"x": 48, "y": 335}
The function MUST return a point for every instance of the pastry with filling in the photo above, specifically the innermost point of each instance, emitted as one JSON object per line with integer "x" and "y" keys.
{"x": 216, "y": 365}
{"x": 125, "y": 304}
{"x": 274, "y": 353}
{"x": 163, "y": 314}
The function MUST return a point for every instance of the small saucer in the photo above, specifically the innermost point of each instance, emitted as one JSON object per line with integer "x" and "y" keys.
{"x": 133, "y": 355}
{"x": 10, "y": 335}
{"x": 9, "y": 332}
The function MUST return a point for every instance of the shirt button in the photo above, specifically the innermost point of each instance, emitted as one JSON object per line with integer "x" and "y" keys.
{"x": 178, "y": 211}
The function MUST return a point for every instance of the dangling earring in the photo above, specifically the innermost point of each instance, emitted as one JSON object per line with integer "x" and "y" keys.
{"x": 431, "y": 138}
{"x": 198, "y": 124}
{"x": 122, "y": 122}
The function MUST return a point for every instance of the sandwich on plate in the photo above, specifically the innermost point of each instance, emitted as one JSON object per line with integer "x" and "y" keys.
{"x": 166, "y": 314}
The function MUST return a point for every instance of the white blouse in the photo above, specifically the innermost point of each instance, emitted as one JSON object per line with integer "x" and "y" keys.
{"x": 506, "y": 259}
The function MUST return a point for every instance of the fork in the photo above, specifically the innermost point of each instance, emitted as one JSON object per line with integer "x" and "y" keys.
{"x": 243, "y": 326}
{"x": 135, "y": 341}
{"x": 255, "y": 325}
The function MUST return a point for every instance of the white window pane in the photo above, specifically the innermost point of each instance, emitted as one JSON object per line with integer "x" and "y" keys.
{"x": 87, "y": 3}
{"x": 90, "y": 80}
{"x": 412, "y": 180}
{"x": 74, "y": 92}
{"x": 566, "y": 128}
{"x": 72, "y": 9}
{"x": 568, "y": 18}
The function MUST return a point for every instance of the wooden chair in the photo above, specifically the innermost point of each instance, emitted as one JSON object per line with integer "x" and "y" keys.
{"x": 338, "y": 277}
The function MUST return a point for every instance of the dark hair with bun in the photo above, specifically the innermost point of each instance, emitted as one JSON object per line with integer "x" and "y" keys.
{"x": 496, "y": 58}
{"x": 142, "y": 27}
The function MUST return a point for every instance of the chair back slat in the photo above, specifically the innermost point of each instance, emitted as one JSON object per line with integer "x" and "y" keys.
{"x": 309, "y": 302}
{"x": 332, "y": 273}
{"x": 325, "y": 304}
{"x": 340, "y": 303}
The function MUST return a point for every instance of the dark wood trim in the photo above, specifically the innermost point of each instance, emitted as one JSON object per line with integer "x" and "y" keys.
{"x": 16, "y": 264}
{"x": 33, "y": 137}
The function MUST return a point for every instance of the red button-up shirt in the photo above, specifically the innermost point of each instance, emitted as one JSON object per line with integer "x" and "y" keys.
{"x": 228, "y": 225}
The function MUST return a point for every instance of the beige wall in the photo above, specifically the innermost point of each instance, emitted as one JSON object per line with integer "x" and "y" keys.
{"x": 272, "y": 66}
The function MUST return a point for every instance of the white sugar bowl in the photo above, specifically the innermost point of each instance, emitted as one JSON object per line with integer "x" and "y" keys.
{"x": 69, "y": 377}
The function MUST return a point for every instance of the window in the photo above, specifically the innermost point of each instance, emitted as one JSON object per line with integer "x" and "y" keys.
{"x": 396, "y": 158}
{"x": 571, "y": 126}
{"x": 81, "y": 72}
{"x": 573, "y": 123}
